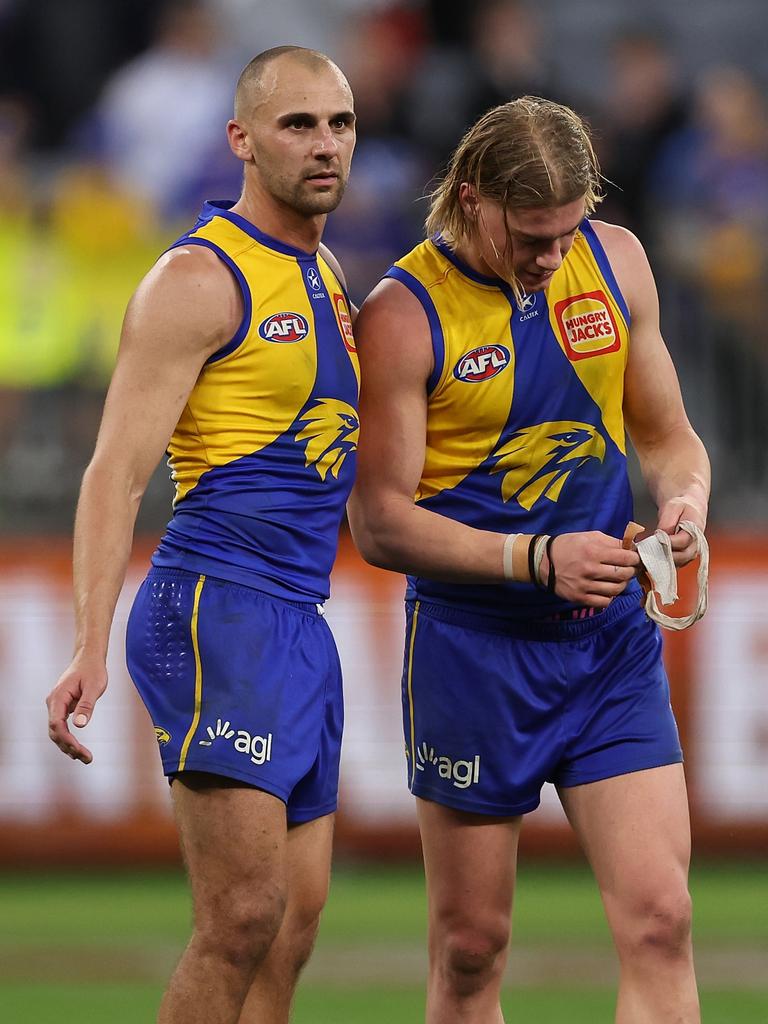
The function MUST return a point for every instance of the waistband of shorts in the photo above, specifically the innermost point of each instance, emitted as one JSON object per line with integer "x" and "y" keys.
{"x": 309, "y": 607}
{"x": 532, "y": 629}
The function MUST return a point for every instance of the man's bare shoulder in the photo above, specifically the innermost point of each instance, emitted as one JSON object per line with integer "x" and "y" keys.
{"x": 393, "y": 324}
{"x": 393, "y": 302}
{"x": 189, "y": 293}
{"x": 616, "y": 239}
{"x": 628, "y": 260}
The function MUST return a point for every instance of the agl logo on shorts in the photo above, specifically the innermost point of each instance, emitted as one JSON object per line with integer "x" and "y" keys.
{"x": 284, "y": 328}
{"x": 463, "y": 773}
{"x": 259, "y": 747}
{"x": 481, "y": 363}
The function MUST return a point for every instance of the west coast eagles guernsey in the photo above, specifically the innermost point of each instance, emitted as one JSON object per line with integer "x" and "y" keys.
{"x": 525, "y": 431}
{"x": 263, "y": 454}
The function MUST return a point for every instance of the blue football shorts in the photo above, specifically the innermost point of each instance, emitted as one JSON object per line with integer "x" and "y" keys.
{"x": 240, "y": 684}
{"x": 493, "y": 709}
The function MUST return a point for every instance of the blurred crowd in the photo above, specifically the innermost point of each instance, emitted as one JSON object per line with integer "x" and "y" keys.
{"x": 112, "y": 132}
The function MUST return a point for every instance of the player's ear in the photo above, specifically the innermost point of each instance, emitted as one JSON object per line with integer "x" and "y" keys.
{"x": 469, "y": 201}
{"x": 238, "y": 140}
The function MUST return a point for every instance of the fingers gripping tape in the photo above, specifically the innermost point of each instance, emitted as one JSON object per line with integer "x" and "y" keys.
{"x": 656, "y": 555}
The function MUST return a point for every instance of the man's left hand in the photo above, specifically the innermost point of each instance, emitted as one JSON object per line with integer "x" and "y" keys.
{"x": 671, "y": 513}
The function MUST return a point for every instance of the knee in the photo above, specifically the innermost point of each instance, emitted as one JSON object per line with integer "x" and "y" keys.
{"x": 659, "y": 927}
{"x": 240, "y": 932}
{"x": 472, "y": 954}
{"x": 302, "y": 921}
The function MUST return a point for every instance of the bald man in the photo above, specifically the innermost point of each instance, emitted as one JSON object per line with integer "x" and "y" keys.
{"x": 237, "y": 357}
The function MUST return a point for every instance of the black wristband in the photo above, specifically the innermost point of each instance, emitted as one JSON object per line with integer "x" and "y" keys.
{"x": 551, "y": 578}
{"x": 531, "y": 551}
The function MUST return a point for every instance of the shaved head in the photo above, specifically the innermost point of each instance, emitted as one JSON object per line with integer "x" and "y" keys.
{"x": 253, "y": 85}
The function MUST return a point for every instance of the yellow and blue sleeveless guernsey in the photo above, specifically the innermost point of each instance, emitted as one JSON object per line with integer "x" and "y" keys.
{"x": 263, "y": 454}
{"x": 525, "y": 431}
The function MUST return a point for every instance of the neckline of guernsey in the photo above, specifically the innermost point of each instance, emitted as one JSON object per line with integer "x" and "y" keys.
{"x": 495, "y": 282}
{"x": 222, "y": 208}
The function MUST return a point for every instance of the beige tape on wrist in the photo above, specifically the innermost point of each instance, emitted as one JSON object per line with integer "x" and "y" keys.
{"x": 509, "y": 543}
{"x": 515, "y": 557}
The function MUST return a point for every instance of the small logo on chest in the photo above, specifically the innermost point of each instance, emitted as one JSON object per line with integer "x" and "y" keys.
{"x": 527, "y": 306}
{"x": 315, "y": 283}
{"x": 481, "y": 363}
{"x": 284, "y": 328}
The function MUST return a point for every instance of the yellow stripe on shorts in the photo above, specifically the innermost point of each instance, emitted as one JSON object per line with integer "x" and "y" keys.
{"x": 198, "y": 676}
{"x": 410, "y": 688}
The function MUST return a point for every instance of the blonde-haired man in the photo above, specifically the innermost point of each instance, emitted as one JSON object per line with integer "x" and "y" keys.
{"x": 497, "y": 377}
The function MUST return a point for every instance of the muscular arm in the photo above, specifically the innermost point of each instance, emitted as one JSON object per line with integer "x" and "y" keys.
{"x": 388, "y": 527}
{"x": 186, "y": 308}
{"x": 391, "y": 531}
{"x": 672, "y": 458}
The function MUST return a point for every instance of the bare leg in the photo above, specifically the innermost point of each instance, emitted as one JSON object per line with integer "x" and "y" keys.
{"x": 635, "y": 831}
{"x": 470, "y": 864}
{"x": 309, "y": 864}
{"x": 235, "y": 846}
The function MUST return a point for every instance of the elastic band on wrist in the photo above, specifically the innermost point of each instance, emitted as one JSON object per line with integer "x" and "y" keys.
{"x": 538, "y": 556}
{"x": 551, "y": 577}
{"x": 531, "y": 552}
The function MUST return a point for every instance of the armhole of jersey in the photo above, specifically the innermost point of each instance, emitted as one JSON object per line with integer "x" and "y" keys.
{"x": 605, "y": 268}
{"x": 239, "y": 336}
{"x": 337, "y": 279}
{"x": 436, "y": 331}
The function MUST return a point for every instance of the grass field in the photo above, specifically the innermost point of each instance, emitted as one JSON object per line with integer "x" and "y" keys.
{"x": 98, "y": 948}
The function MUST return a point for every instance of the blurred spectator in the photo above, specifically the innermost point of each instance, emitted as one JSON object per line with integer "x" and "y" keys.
{"x": 380, "y": 218}
{"x": 163, "y": 115}
{"x": 711, "y": 193}
{"x": 455, "y": 84}
{"x": 712, "y": 182}
{"x": 645, "y": 106}
{"x": 251, "y": 27}
{"x": 57, "y": 53}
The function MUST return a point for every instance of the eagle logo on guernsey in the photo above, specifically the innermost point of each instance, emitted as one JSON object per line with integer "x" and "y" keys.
{"x": 331, "y": 430}
{"x": 481, "y": 363}
{"x": 537, "y": 461}
{"x": 587, "y": 325}
{"x": 284, "y": 328}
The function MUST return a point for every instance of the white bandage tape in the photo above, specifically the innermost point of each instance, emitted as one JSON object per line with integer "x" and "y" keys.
{"x": 656, "y": 555}
{"x": 509, "y": 543}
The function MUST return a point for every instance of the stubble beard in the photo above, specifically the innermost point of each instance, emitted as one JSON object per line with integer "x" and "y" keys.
{"x": 302, "y": 198}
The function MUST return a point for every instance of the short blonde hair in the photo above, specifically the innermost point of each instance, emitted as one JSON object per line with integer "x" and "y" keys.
{"x": 527, "y": 153}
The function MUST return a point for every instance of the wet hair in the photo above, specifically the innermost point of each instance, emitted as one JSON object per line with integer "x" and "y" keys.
{"x": 528, "y": 153}
{"x": 252, "y": 73}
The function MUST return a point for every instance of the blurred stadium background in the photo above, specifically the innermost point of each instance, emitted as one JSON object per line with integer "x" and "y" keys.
{"x": 111, "y": 133}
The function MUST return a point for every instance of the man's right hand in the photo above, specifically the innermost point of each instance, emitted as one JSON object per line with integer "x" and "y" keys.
{"x": 76, "y": 692}
{"x": 590, "y": 568}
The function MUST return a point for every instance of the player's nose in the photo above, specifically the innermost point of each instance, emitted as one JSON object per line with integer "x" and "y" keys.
{"x": 551, "y": 258}
{"x": 325, "y": 143}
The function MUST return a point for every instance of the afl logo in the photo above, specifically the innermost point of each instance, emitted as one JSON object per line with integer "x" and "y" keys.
{"x": 481, "y": 363}
{"x": 284, "y": 328}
